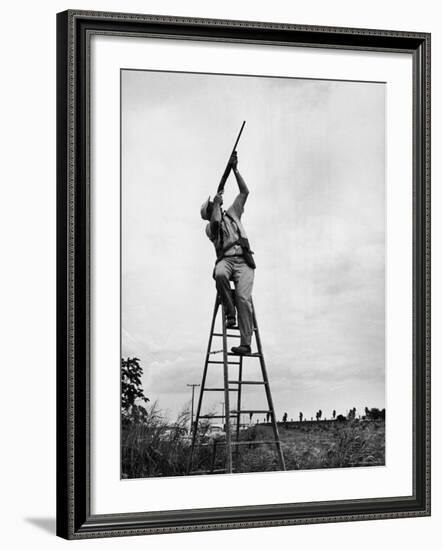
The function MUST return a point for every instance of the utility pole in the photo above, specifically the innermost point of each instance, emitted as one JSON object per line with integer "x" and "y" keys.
{"x": 193, "y": 386}
{"x": 222, "y": 419}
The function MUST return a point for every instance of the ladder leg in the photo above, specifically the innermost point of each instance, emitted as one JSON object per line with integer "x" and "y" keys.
{"x": 203, "y": 382}
{"x": 226, "y": 397}
{"x": 268, "y": 392}
{"x": 238, "y": 408}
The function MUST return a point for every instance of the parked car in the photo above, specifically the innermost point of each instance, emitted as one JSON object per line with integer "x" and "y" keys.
{"x": 216, "y": 431}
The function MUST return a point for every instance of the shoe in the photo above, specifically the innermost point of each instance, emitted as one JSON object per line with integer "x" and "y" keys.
{"x": 230, "y": 322}
{"x": 242, "y": 350}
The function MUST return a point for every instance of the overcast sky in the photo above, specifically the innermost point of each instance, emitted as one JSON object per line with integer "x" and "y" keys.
{"x": 312, "y": 155}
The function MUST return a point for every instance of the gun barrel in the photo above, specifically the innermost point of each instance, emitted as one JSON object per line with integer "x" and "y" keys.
{"x": 228, "y": 167}
{"x": 239, "y": 135}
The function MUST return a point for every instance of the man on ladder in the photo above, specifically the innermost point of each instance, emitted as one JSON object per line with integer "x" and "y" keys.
{"x": 234, "y": 257}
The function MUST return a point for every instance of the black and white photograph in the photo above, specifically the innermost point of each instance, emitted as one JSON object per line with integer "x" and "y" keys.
{"x": 252, "y": 274}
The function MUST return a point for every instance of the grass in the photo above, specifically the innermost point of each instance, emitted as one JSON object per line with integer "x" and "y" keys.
{"x": 157, "y": 449}
{"x": 328, "y": 444}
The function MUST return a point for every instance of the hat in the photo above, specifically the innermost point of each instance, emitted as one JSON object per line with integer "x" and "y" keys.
{"x": 204, "y": 208}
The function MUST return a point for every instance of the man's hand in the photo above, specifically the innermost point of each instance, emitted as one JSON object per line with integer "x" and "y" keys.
{"x": 218, "y": 199}
{"x": 234, "y": 160}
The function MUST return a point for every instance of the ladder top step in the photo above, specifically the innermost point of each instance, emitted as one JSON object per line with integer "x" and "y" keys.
{"x": 237, "y": 328}
{"x": 245, "y": 355}
{"x": 228, "y": 335}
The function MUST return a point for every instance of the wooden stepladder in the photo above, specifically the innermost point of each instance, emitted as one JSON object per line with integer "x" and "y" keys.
{"x": 232, "y": 384}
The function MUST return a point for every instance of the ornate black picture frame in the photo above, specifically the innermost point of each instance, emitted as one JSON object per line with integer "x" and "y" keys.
{"x": 74, "y": 518}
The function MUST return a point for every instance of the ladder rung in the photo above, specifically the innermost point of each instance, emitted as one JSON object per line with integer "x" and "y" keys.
{"x": 237, "y": 328}
{"x": 219, "y": 389}
{"x": 222, "y": 362}
{"x": 213, "y": 415}
{"x": 247, "y": 382}
{"x": 228, "y": 335}
{"x": 245, "y": 355}
{"x": 235, "y": 354}
{"x": 250, "y": 411}
{"x": 253, "y": 442}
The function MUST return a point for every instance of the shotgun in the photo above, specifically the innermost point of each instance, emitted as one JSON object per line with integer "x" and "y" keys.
{"x": 224, "y": 177}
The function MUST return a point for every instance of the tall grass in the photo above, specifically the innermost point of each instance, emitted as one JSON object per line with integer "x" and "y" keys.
{"x": 158, "y": 448}
{"x": 154, "y": 447}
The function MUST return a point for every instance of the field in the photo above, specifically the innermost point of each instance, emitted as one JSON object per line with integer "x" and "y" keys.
{"x": 152, "y": 451}
{"x": 329, "y": 444}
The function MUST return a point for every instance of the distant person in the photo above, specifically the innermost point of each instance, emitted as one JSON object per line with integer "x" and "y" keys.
{"x": 301, "y": 416}
{"x": 284, "y": 420}
{"x": 334, "y": 414}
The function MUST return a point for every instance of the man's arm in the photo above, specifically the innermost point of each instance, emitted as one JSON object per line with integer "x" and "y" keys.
{"x": 240, "y": 200}
{"x": 243, "y": 189}
{"x": 215, "y": 218}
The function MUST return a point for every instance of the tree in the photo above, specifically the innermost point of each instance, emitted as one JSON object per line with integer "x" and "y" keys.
{"x": 374, "y": 414}
{"x": 131, "y": 391}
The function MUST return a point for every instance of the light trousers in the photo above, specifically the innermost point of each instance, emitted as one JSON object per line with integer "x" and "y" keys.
{"x": 235, "y": 269}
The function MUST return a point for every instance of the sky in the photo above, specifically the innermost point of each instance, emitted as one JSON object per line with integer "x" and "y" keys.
{"x": 313, "y": 156}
